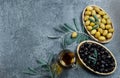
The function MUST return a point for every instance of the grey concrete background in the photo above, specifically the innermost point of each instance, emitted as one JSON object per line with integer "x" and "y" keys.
{"x": 25, "y": 25}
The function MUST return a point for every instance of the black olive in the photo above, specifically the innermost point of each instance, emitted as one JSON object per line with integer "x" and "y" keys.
{"x": 106, "y": 65}
{"x": 86, "y": 44}
{"x": 98, "y": 54}
{"x": 81, "y": 51}
{"x": 101, "y": 70}
{"x": 82, "y": 47}
{"x": 98, "y": 63}
{"x": 103, "y": 62}
{"x": 86, "y": 53}
{"x": 92, "y": 49}
{"x": 109, "y": 56}
{"x": 103, "y": 57}
{"x": 112, "y": 64}
{"x": 102, "y": 65}
{"x": 106, "y": 70}
{"x": 102, "y": 52}
{"x": 86, "y": 49}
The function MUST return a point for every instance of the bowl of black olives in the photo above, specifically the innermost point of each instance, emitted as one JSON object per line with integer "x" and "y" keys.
{"x": 96, "y": 57}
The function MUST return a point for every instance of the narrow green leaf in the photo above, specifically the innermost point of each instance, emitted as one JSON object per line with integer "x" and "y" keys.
{"x": 63, "y": 43}
{"x": 95, "y": 27}
{"x": 63, "y": 28}
{"x": 44, "y": 66}
{"x": 79, "y": 38}
{"x": 82, "y": 28}
{"x": 95, "y": 53}
{"x": 54, "y": 37}
{"x": 75, "y": 24}
{"x": 96, "y": 18}
{"x": 46, "y": 70}
{"x": 29, "y": 73}
{"x": 92, "y": 58}
{"x": 91, "y": 20}
{"x": 82, "y": 37}
{"x": 59, "y": 30}
{"x": 41, "y": 61}
{"x": 68, "y": 27}
{"x": 32, "y": 70}
{"x": 50, "y": 57}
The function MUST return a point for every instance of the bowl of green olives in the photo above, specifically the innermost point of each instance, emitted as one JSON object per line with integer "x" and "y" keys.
{"x": 96, "y": 57}
{"x": 98, "y": 23}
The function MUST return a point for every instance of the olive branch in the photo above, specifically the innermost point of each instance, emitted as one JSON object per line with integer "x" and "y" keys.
{"x": 67, "y": 31}
{"x": 44, "y": 66}
{"x": 93, "y": 58}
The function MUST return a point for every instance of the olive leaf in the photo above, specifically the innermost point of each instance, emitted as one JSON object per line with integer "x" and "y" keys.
{"x": 64, "y": 28}
{"x": 41, "y": 61}
{"x": 95, "y": 27}
{"x": 82, "y": 28}
{"x": 29, "y": 73}
{"x": 50, "y": 58}
{"x": 82, "y": 37}
{"x": 43, "y": 66}
{"x": 63, "y": 44}
{"x": 95, "y": 53}
{"x": 54, "y": 37}
{"x": 94, "y": 57}
{"x": 96, "y": 18}
{"x": 66, "y": 37}
{"x": 68, "y": 27}
{"x": 75, "y": 24}
{"x": 91, "y": 20}
{"x": 32, "y": 69}
{"x": 59, "y": 30}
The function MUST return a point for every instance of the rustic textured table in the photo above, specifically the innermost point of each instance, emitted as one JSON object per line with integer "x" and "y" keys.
{"x": 25, "y": 25}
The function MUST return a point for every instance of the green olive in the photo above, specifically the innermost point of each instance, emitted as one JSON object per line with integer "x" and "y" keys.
{"x": 93, "y": 12}
{"x": 100, "y": 30}
{"x": 86, "y": 17}
{"x": 102, "y": 38}
{"x": 108, "y": 26}
{"x": 97, "y": 9}
{"x": 93, "y": 32}
{"x": 99, "y": 16}
{"x": 87, "y": 22}
{"x": 92, "y": 24}
{"x": 105, "y": 16}
{"x": 102, "y": 13}
{"x": 105, "y": 32}
{"x": 109, "y": 21}
{"x": 109, "y": 35}
{"x": 89, "y": 28}
{"x": 74, "y": 34}
{"x": 87, "y": 12}
{"x": 97, "y": 34}
{"x": 89, "y": 8}
{"x": 102, "y": 25}
{"x": 111, "y": 30}
{"x": 103, "y": 21}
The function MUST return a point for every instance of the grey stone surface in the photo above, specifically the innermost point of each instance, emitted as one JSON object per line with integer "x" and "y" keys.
{"x": 25, "y": 25}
